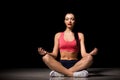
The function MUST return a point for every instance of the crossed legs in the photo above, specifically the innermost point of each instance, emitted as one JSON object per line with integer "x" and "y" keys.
{"x": 53, "y": 64}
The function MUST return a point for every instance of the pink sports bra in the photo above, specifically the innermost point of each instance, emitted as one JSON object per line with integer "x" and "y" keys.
{"x": 67, "y": 45}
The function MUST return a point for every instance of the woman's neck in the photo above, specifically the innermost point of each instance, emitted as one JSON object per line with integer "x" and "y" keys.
{"x": 68, "y": 30}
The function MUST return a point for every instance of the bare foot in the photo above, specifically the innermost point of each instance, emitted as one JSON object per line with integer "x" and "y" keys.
{"x": 94, "y": 51}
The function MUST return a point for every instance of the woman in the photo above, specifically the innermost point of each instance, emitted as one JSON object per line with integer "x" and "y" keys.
{"x": 69, "y": 46}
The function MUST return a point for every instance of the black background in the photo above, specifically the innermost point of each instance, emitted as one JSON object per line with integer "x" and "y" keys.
{"x": 29, "y": 25}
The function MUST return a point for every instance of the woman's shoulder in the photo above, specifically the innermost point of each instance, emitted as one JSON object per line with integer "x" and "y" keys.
{"x": 58, "y": 34}
{"x": 80, "y": 34}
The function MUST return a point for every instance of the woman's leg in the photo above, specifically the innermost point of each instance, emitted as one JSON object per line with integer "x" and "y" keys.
{"x": 55, "y": 65}
{"x": 84, "y": 63}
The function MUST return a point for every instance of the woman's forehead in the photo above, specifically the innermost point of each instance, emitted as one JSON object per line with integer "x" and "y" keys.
{"x": 69, "y": 15}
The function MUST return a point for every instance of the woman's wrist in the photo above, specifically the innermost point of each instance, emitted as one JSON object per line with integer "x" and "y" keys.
{"x": 45, "y": 52}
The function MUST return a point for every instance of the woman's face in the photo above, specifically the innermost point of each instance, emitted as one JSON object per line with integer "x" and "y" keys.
{"x": 69, "y": 20}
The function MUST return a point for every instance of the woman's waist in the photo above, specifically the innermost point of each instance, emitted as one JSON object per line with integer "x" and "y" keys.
{"x": 68, "y": 56}
{"x": 69, "y": 50}
{"x": 65, "y": 58}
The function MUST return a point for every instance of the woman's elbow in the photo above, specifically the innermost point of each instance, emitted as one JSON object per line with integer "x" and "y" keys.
{"x": 53, "y": 55}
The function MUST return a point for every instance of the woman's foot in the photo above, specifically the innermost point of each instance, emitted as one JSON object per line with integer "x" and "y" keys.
{"x": 55, "y": 74}
{"x": 81, "y": 74}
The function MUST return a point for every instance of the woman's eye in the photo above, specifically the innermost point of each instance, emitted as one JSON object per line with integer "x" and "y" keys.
{"x": 66, "y": 19}
{"x": 72, "y": 19}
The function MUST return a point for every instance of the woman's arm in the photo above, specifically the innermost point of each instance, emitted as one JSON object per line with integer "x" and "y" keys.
{"x": 83, "y": 48}
{"x": 54, "y": 53}
{"x": 82, "y": 44}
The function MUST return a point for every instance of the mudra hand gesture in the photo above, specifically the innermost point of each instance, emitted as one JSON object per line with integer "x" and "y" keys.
{"x": 41, "y": 51}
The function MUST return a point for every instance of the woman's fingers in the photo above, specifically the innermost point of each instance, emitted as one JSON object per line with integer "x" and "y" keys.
{"x": 42, "y": 51}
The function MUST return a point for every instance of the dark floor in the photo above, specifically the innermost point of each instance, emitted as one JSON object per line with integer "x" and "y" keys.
{"x": 43, "y": 74}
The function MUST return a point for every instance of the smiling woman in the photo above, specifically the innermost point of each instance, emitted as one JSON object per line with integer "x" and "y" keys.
{"x": 70, "y": 44}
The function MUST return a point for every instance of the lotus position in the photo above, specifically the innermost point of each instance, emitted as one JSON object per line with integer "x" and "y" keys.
{"x": 69, "y": 45}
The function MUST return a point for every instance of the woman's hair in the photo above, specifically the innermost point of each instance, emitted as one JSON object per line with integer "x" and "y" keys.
{"x": 74, "y": 29}
{"x": 70, "y": 13}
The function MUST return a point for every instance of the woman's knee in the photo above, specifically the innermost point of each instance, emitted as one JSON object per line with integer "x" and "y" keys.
{"x": 46, "y": 58}
{"x": 89, "y": 58}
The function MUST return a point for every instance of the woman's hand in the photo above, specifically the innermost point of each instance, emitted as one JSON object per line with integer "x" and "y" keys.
{"x": 94, "y": 51}
{"x": 41, "y": 51}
